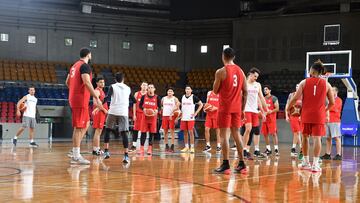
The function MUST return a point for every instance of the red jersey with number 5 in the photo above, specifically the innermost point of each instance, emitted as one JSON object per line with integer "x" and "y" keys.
{"x": 79, "y": 95}
{"x": 313, "y": 102}
{"x": 230, "y": 91}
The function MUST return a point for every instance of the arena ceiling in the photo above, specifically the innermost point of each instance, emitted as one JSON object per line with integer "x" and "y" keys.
{"x": 197, "y": 9}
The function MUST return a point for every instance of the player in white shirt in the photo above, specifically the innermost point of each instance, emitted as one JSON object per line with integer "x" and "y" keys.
{"x": 29, "y": 116}
{"x": 188, "y": 102}
{"x": 169, "y": 104}
{"x": 252, "y": 112}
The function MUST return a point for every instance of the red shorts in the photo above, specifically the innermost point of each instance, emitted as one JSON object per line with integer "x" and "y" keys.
{"x": 149, "y": 124}
{"x": 211, "y": 122}
{"x": 313, "y": 129}
{"x": 80, "y": 117}
{"x": 268, "y": 128}
{"x": 295, "y": 124}
{"x": 229, "y": 120}
{"x": 99, "y": 120}
{"x": 252, "y": 118}
{"x": 167, "y": 123}
{"x": 187, "y": 125}
{"x": 137, "y": 123}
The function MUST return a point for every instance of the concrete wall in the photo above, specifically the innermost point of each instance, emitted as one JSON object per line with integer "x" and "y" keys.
{"x": 282, "y": 42}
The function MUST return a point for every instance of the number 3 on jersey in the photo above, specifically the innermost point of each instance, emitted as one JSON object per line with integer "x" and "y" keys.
{"x": 235, "y": 81}
{"x": 72, "y": 72}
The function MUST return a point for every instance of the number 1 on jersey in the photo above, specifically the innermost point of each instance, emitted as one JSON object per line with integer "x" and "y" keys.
{"x": 314, "y": 90}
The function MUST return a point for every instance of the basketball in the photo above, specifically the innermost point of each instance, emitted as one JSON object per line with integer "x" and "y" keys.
{"x": 207, "y": 107}
{"x": 295, "y": 111}
{"x": 176, "y": 114}
{"x": 149, "y": 112}
{"x": 22, "y": 107}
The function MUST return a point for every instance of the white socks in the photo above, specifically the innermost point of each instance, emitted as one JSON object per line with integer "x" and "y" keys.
{"x": 294, "y": 146}
{"x": 134, "y": 144}
{"x": 316, "y": 161}
{"x": 192, "y": 146}
{"x": 15, "y": 137}
{"x": 207, "y": 143}
{"x": 187, "y": 145}
{"x": 218, "y": 145}
{"x": 76, "y": 152}
{"x": 32, "y": 140}
{"x": 276, "y": 147}
{"x": 257, "y": 148}
{"x": 306, "y": 159}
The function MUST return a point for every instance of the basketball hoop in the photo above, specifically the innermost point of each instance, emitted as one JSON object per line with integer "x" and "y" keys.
{"x": 327, "y": 75}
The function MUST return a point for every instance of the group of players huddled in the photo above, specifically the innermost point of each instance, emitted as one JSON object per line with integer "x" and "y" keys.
{"x": 235, "y": 107}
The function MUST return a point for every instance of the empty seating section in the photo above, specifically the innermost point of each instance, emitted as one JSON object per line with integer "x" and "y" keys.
{"x": 11, "y": 70}
{"x": 8, "y": 113}
{"x": 203, "y": 78}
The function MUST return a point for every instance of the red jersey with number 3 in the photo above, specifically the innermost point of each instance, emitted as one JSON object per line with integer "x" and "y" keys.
{"x": 138, "y": 99}
{"x": 230, "y": 91}
{"x": 213, "y": 99}
{"x": 313, "y": 102}
{"x": 79, "y": 95}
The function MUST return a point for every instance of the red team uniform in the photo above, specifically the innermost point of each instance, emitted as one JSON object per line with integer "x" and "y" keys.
{"x": 269, "y": 126}
{"x": 139, "y": 112}
{"x": 149, "y": 123}
{"x": 79, "y": 96}
{"x": 211, "y": 116}
{"x": 295, "y": 121}
{"x": 313, "y": 107}
{"x": 230, "y": 103}
{"x": 99, "y": 117}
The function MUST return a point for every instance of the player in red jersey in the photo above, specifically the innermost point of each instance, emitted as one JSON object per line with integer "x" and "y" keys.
{"x": 211, "y": 120}
{"x": 99, "y": 116}
{"x": 150, "y": 102}
{"x": 333, "y": 128}
{"x": 137, "y": 114}
{"x": 269, "y": 124}
{"x": 80, "y": 88}
{"x": 314, "y": 91}
{"x": 230, "y": 84}
{"x": 295, "y": 125}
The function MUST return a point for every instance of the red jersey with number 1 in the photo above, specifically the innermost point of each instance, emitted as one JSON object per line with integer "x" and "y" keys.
{"x": 313, "y": 103}
{"x": 79, "y": 95}
{"x": 230, "y": 91}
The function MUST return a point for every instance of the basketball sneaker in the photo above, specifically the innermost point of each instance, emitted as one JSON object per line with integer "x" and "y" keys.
{"x": 79, "y": 160}
{"x": 277, "y": 153}
{"x": 149, "y": 151}
{"x": 167, "y": 149}
{"x": 233, "y": 147}
{"x": 338, "y": 157}
{"x": 141, "y": 152}
{"x": 300, "y": 156}
{"x": 224, "y": 168}
{"x": 14, "y": 141}
{"x": 305, "y": 165}
{"x": 97, "y": 152}
{"x": 33, "y": 144}
{"x": 132, "y": 149}
{"x": 326, "y": 157}
{"x": 126, "y": 159}
{"x": 218, "y": 149}
{"x": 106, "y": 155}
{"x": 293, "y": 152}
{"x": 185, "y": 150}
{"x": 316, "y": 168}
{"x": 241, "y": 167}
{"x": 258, "y": 154}
{"x": 268, "y": 152}
{"x": 207, "y": 148}
{"x": 192, "y": 150}
{"x": 172, "y": 150}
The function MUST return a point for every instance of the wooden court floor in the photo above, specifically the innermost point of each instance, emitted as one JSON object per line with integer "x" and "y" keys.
{"x": 45, "y": 175}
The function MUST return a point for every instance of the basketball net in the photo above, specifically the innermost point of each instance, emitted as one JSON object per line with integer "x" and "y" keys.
{"x": 327, "y": 75}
